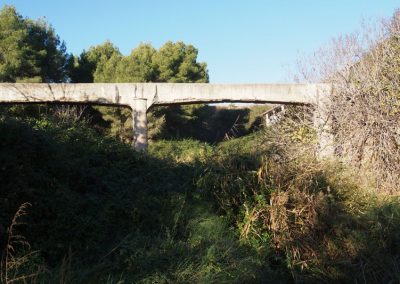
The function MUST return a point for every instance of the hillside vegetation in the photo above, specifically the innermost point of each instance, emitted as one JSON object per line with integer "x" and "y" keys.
{"x": 241, "y": 211}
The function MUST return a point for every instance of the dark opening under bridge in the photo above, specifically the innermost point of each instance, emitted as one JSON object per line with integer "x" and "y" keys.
{"x": 141, "y": 96}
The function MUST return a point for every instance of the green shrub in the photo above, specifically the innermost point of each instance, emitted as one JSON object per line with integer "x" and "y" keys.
{"x": 248, "y": 210}
{"x": 104, "y": 213}
{"x": 307, "y": 214}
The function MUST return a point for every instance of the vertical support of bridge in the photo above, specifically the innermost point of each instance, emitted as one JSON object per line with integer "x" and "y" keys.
{"x": 323, "y": 125}
{"x": 139, "y": 124}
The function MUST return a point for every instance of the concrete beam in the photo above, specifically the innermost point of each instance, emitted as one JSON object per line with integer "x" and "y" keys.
{"x": 160, "y": 93}
{"x": 101, "y": 94}
{"x": 254, "y": 93}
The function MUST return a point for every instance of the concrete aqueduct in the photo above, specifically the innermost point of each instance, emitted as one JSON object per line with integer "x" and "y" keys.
{"x": 141, "y": 96}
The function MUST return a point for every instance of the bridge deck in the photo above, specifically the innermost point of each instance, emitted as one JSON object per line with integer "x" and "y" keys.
{"x": 161, "y": 93}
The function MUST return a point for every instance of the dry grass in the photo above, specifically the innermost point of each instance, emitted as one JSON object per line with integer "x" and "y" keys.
{"x": 16, "y": 264}
{"x": 313, "y": 213}
{"x": 365, "y": 107}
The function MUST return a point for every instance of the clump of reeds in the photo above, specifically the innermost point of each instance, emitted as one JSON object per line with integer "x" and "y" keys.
{"x": 16, "y": 263}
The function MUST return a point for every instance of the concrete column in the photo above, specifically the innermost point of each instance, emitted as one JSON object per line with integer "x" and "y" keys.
{"x": 139, "y": 124}
{"x": 323, "y": 126}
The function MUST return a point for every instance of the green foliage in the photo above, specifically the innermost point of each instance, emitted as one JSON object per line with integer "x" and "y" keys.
{"x": 207, "y": 123}
{"x": 177, "y": 63}
{"x": 211, "y": 124}
{"x": 188, "y": 212}
{"x": 173, "y": 62}
{"x": 307, "y": 214}
{"x": 97, "y": 65}
{"x": 184, "y": 151}
{"x": 30, "y": 51}
{"x": 138, "y": 66}
{"x": 102, "y": 211}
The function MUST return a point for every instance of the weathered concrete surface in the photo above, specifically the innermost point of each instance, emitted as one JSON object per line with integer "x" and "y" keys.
{"x": 161, "y": 93}
{"x": 323, "y": 126}
{"x": 139, "y": 124}
{"x": 107, "y": 94}
{"x": 256, "y": 93}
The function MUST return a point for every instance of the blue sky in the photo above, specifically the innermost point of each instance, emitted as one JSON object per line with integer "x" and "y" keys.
{"x": 247, "y": 41}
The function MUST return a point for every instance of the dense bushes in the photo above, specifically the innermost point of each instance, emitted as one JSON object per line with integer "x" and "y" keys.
{"x": 309, "y": 215}
{"x": 111, "y": 213}
{"x": 365, "y": 105}
{"x": 246, "y": 210}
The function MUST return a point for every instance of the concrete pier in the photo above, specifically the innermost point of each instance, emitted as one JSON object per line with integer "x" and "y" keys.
{"x": 139, "y": 124}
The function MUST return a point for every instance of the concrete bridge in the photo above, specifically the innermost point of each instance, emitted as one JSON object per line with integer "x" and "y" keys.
{"x": 141, "y": 96}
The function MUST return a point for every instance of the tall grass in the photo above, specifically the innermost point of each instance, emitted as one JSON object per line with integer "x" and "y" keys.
{"x": 103, "y": 213}
{"x": 18, "y": 262}
{"x": 309, "y": 215}
{"x": 250, "y": 210}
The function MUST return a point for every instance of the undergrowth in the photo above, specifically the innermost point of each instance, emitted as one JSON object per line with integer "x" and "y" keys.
{"x": 101, "y": 213}
{"x": 244, "y": 211}
{"x": 304, "y": 213}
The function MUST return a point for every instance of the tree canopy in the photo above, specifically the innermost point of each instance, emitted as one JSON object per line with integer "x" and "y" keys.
{"x": 177, "y": 63}
{"x": 97, "y": 64}
{"x": 138, "y": 66}
{"x": 30, "y": 50}
{"x": 173, "y": 63}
